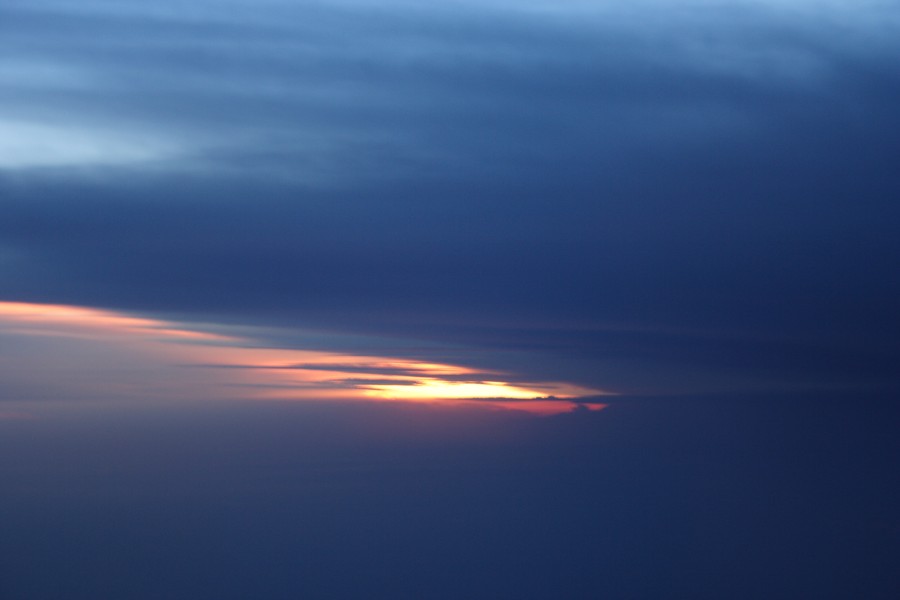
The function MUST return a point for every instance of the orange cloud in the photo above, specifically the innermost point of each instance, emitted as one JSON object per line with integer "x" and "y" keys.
{"x": 243, "y": 367}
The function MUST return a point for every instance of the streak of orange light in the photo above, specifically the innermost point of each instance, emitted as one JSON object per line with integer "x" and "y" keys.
{"x": 288, "y": 373}
{"x": 62, "y": 319}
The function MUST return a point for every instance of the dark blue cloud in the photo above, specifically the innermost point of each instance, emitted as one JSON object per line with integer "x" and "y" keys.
{"x": 710, "y": 192}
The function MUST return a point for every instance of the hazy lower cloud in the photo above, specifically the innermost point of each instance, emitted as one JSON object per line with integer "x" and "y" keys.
{"x": 630, "y": 196}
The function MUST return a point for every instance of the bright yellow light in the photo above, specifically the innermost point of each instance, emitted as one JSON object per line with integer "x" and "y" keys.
{"x": 437, "y": 389}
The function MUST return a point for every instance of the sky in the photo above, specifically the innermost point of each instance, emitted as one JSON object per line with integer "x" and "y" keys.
{"x": 490, "y": 299}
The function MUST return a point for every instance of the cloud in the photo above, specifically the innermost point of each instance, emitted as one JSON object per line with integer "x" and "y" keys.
{"x": 104, "y": 355}
{"x": 326, "y": 93}
{"x": 29, "y": 145}
{"x": 707, "y": 191}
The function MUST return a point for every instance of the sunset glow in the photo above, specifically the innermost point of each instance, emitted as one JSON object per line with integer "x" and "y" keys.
{"x": 240, "y": 367}
{"x": 55, "y": 319}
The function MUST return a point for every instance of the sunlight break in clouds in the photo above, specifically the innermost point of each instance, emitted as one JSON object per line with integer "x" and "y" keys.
{"x": 116, "y": 355}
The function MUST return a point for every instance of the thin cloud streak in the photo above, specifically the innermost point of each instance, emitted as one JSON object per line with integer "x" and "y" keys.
{"x": 289, "y": 374}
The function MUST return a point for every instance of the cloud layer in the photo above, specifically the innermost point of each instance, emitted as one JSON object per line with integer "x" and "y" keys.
{"x": 647, "y": 197}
